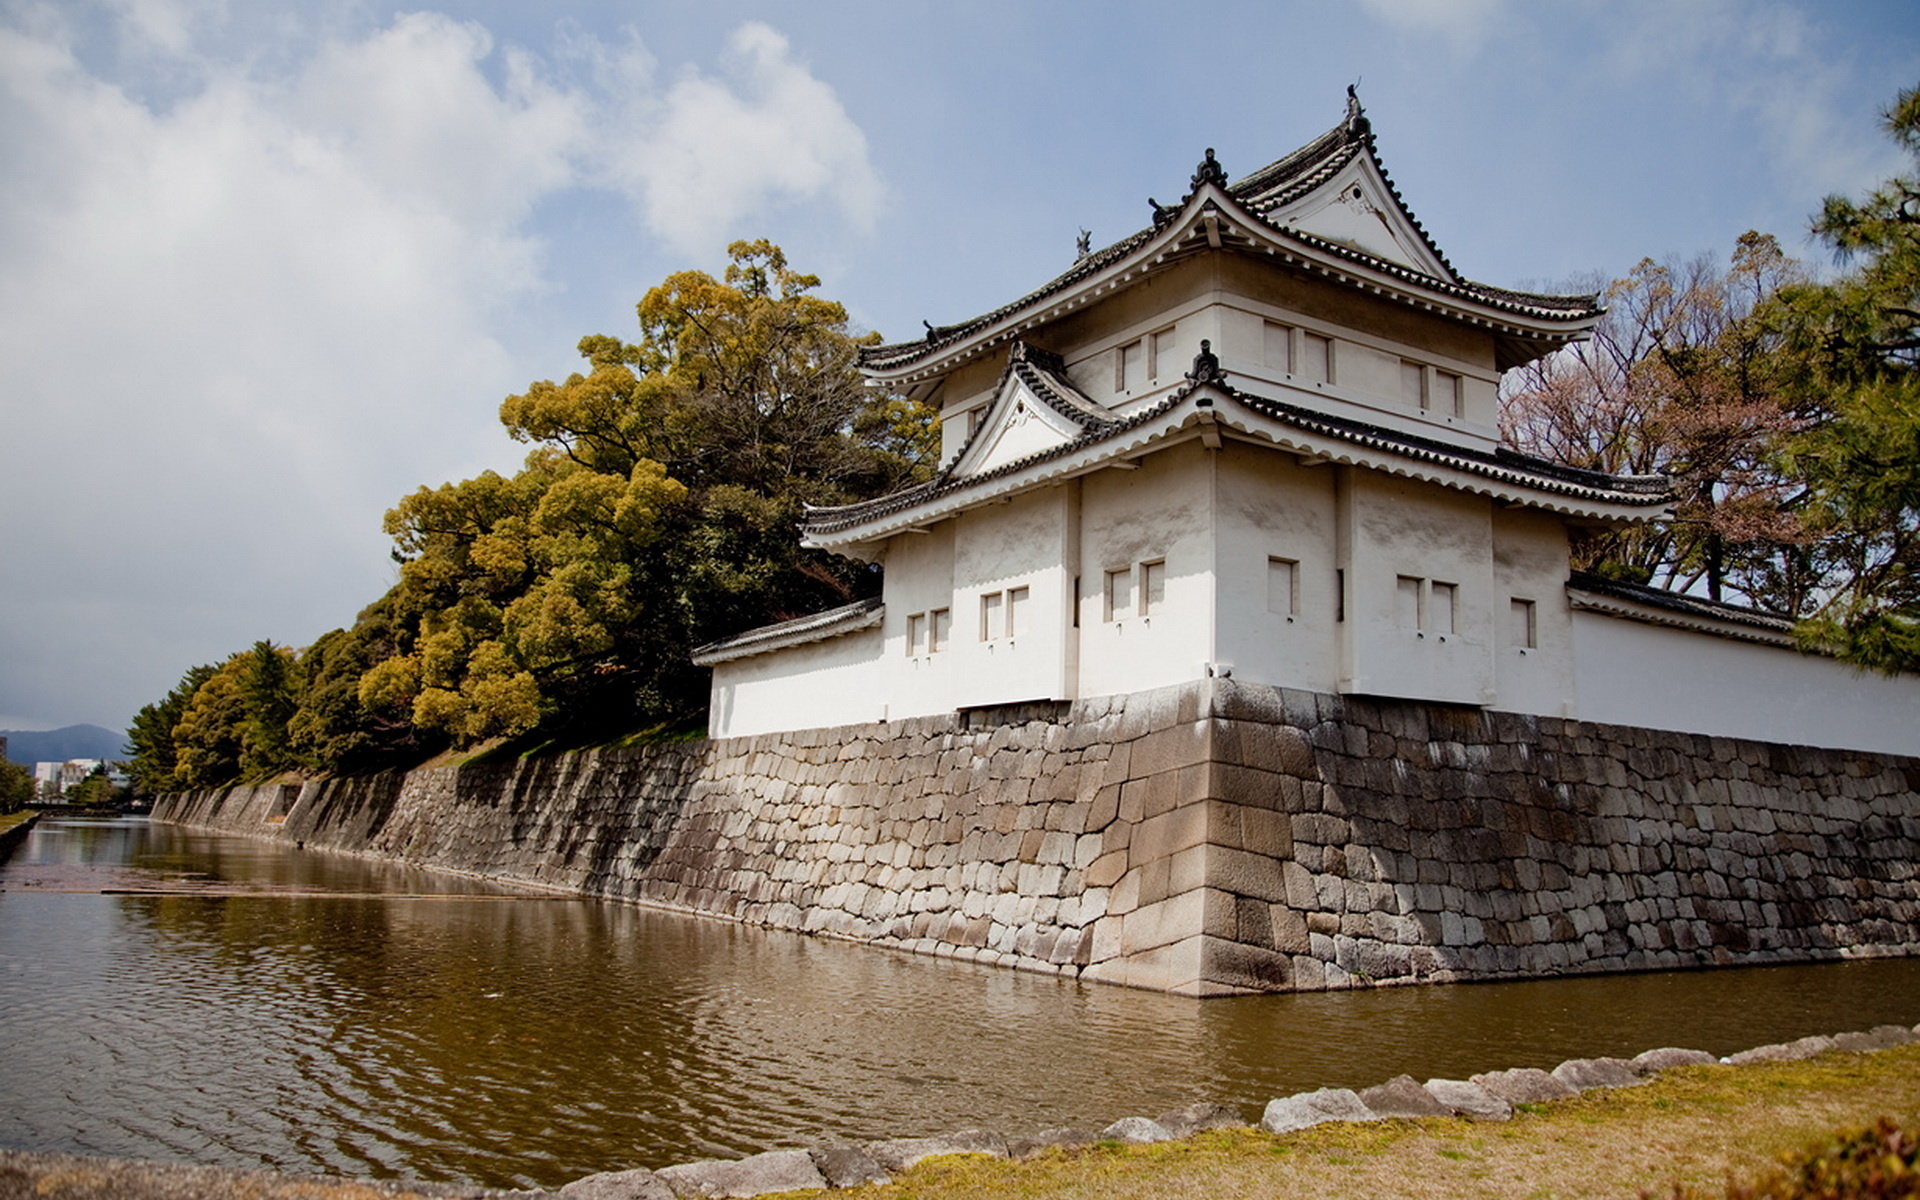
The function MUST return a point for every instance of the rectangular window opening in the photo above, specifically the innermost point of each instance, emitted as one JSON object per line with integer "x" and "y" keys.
{"x": 1119, "y": 601}
{"x": 1162, "y": 361}
{"x": 990, "y": 616}
{"x": 916, "y": 635}
{"x": 1339, "y": 594}
{"x": 1283, "y": 586}
{"x": 1449, "y": 401}
{"x": 1129, "y": 366}
{"x": 1406, "y": 602}
{"x": 1526, "y": 630}
{"x": 1316, "y": 354}
{"x": 1441, "y": 601}
{"x": 1153, "y": 587}
{"x": 1413, "y": 385}
{"x": 938, "y": 627}
{"x": 1279, "y": 347}
{"x": 1016, "y": 611}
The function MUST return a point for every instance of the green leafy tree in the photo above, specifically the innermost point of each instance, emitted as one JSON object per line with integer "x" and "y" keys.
{"x": 656, "y": 511}
{"x": 16, "y": 786}
{"x": 96, "y": 790}
{"x": 150, "y": 742}
{"x": 270, "y": 688}
{"x": 1855, "y": 343}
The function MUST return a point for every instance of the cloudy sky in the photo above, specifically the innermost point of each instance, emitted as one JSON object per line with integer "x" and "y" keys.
{"x": 266, "y": 268}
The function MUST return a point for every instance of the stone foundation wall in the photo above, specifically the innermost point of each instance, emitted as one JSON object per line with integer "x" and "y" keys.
{"x": 1207, "y": 839}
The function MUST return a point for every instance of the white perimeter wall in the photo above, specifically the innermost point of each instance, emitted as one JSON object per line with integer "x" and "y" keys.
{"x": 1632, "y": 673}
{"x": 835, "y": 682}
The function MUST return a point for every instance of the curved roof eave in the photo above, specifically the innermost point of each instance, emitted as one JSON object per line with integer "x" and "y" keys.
{"x": 1528, "y": 317}
{"x": 1177, "y": 418}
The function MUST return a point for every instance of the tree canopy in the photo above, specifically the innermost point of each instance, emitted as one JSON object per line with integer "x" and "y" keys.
{"x": 656, "y": 510}
{"x": 1786, "y": 410}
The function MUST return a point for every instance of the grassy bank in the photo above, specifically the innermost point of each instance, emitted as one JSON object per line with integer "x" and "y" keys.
{"x": 1693, "y": 1125}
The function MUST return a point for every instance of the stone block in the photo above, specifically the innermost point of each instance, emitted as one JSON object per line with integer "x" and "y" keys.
{"x": 848, "y": 1167}
{"x": 1402, "y": 1096}
{"x": 1234, "y": 966}
{"x": 774, "y": 1171}
{"x": 1031, "y": 1144}
{"x": 1582, "y": 1074}
{"x": 1525, "y": 1085}
{"x": 1651, "y": 1062}
{"x": 1314, "y": 1108}
{"x": 618, "y": 1185}
{"x": 1195, "y": 1118}
{"x": 1465, "y": 1098}
{"x": 899, "y": 1154}
{"x": 1245, "y": 874}
{"x": 1136, "y": 1131}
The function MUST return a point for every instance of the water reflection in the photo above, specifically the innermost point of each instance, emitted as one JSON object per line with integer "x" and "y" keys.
{"x": 370, "y": 1019}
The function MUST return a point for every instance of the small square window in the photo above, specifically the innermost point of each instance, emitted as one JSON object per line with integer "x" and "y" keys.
{"x": 916, "y": 635}
{"x": 1130, "y": 366}
{"x": 1448, "y": 398}
{"x": 938, "y": 627}
{"x": 1016, "y": 611}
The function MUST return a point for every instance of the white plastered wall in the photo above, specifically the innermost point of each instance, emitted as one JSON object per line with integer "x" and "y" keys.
{"x": 1530, "y": 564}
{"x": 1390, "y": 528}
{"x": 919, "y": 579}
{"x": 1633, "y": 673}
{"x": 1276, "y": 568}
{"x": 1159, "y": 512}
{"x": 831, "y": 682}
{"x": 998, "y": 549}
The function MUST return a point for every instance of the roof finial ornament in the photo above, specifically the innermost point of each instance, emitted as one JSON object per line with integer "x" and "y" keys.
{"x": 1206, "y": 365}
{"x": 932, "y": 333}
{"x": 1357, "y": 123}
{"x": 1162, "y": 213}
{"x": 1083, "y": 245}
{"x": 1209, "y": 171}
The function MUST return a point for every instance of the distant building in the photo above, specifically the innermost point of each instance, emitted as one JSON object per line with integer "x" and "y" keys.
{"x": 55, "y": 779}
{"x": 1259, "y": 438}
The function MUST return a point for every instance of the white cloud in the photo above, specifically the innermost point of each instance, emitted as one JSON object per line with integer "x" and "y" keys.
{"x": 711, "y": 151}
{"x": 234, "y": 328}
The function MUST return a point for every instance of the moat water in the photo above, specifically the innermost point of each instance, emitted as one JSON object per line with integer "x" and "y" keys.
{"x": 179, "y": 995}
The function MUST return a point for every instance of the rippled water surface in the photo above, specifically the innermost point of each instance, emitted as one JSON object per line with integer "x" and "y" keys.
{"x": 316, "y": 1012}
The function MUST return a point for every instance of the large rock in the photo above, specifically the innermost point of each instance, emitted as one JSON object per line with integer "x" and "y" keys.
{"x": 1028, "y": 1145}
{"x": 848, "y": 1166}
{"x": 1880, "y": 1037}
{"x": 1465, "y": 1098}
{"x": 1314, "y": 1108}
{"x": 1805, "y": 1047}
{"x": 774, "y": 1171}
{"x": 1136, "y": 1131}
{"x": 1185, "y": 1122}
{"x": 637, "y": 1184}
{"x": 1584, "y": 1073}
{"x": 1652, "y": 1062}
{"x": 1525, "y": 1085}
{"x": 900, "y": 1153}
{"x": 1402, "y": 1096}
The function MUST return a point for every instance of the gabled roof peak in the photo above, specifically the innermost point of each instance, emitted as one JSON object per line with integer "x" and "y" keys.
{"x": 1289, "y": 206}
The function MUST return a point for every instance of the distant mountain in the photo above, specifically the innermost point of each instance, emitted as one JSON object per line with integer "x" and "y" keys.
{"x": 58, "y": 745}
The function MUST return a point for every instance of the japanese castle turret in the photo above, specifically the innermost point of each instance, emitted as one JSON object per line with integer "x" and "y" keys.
{"x": 1258, "y": 440}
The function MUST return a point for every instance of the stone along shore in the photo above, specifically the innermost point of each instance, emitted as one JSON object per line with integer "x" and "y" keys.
{"x": 1491, "y": 1096}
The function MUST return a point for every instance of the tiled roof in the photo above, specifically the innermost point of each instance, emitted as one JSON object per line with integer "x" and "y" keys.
{"x": 814, "y": 627}
{"x": 1681, "y": 603}
{"x": 1504, "y": 466}
{"x": 1271, "y": 187}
